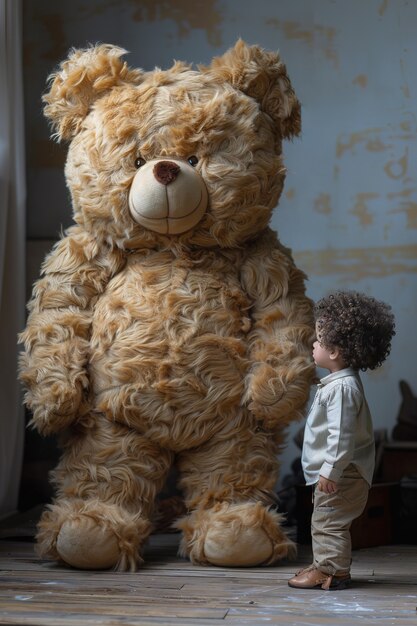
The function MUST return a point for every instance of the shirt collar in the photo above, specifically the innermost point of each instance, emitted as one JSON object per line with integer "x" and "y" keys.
{"x": 348, "y": 371}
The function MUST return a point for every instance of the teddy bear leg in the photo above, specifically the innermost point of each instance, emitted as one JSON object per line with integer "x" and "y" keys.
{"x": 229, "y": 484}
{"x": 106, "y": 486}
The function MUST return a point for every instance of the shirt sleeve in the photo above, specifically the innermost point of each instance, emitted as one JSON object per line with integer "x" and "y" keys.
{"x": 343, "y": 404}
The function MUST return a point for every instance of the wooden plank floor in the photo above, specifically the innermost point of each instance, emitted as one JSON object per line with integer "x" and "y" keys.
{"x": 171, "y": 591}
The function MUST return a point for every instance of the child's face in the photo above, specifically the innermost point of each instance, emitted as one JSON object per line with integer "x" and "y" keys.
{"x": 328, "y": 358}
{"x": 321, "y": 355}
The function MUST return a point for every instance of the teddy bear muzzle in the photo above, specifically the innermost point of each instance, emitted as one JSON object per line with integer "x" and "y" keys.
{"x": 168, "y": 196}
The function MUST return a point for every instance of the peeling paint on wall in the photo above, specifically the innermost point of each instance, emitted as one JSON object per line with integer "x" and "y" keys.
{"x": 322, "y": 204}
{"x": 369, "y": 137}
{"x": 318, "y": 37}
{"x": 410, "y": 209}
{"x": 361, "y": 209}
{"x": 397, "y": 168}
{"x": 361, "y": 80}
{"x": 404, "y": 88}
{"x": 188, "y": 15}
{"x": 376, "y": 139}
{"x": 353, "y": 264}
{"x": 382, "y": 7}
{"x": 398, "y": 141}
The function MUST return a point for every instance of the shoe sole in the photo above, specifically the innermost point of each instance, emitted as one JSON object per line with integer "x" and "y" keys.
{"x": 343, "y": 584}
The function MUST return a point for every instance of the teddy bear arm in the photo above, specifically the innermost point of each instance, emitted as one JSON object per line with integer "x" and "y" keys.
{"x": 53, "y": 373}
{"x": 56, "y": 338}
{"x": 282, "y": 372}
{"x": 280, "y": 341}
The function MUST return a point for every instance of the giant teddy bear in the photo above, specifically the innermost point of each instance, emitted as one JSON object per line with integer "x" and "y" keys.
{"x": 169, "y": 326}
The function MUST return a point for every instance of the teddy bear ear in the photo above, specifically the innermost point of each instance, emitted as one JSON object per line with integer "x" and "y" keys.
{"x": 263, "y": 76}
{"x": 82, "y": 78}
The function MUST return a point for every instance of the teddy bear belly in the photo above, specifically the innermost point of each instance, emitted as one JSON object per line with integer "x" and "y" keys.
{"x": 178, "y": 394}
{"x": 169, "y": 353}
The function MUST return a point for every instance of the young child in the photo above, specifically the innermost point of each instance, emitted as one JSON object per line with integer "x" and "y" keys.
{"x": 353, "y": 332}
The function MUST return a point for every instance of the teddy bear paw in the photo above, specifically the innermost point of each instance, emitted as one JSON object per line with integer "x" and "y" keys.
{"x": 55, "y": 407}
{"x": 83, "y": 544}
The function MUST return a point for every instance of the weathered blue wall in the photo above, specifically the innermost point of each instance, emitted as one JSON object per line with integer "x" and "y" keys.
{"x": 349, "y": 210}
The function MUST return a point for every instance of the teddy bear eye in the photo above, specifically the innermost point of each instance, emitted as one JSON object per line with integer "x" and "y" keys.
{"x": 192, "y": 160}
{"x": 139, "y": 162}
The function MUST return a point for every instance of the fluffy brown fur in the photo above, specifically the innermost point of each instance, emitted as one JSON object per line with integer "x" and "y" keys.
{"x": 145, "y": 349}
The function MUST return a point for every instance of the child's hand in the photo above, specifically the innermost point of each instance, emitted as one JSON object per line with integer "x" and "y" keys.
{"x": 326, "y": 485}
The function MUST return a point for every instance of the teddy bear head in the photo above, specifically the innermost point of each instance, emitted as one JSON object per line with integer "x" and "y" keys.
{"x": 178, "y": 157}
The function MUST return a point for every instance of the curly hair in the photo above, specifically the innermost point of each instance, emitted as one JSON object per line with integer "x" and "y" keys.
{"x": 358, "y": 325}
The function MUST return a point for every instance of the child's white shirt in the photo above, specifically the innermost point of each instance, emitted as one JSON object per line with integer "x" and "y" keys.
{"x": 338, "y": 430}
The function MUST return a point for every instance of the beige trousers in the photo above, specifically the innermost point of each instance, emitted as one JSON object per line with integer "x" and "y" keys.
{"x": 332, "y": 517}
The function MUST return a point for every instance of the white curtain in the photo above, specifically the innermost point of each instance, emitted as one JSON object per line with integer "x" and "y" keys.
{"x": 12, "y": 250}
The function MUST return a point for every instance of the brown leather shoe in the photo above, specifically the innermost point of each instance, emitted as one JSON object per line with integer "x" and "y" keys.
{"x": 313, "y": 578}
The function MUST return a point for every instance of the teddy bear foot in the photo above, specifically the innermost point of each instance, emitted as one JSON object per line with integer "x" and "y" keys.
{"x": 83, "y": 544}
{"x": 92, "y": 535}
{"x": 252, "y": 547}
{"x": 234, "y": 535}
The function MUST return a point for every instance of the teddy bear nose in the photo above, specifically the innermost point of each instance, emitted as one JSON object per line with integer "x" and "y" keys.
{"x": 166, "y": 172}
